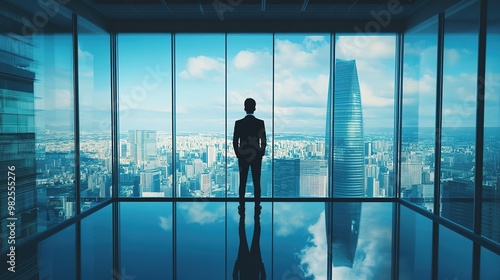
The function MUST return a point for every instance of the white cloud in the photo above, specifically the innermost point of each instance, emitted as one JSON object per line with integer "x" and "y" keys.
{"x": 288, "y": 218}
{"x": 198, "y": 213}
{"x": 315, "y": 38}
{"x": 201, "y": 66}
{"x": 370, "y": 99}
{"x": 63, "y": 100}
{"x": 314, "y": 257}
{"x": 294, "y": 56}
{"x": 365, "y": 47}
{"x": 373, "y": 250}
{"x": 246, "y": 59}
{"x": 165, "y": 222}
{"x": 426, "y": 85}
{"x": 451, "y": 56}
{"x": 85, "y": 64}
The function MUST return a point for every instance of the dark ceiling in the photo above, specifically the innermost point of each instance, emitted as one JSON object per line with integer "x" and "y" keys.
{"x": 250, "y": 15}
{"x": 253, "y": 9}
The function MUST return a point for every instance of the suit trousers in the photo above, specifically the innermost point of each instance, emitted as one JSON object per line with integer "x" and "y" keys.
{"x": 244, "y": 165}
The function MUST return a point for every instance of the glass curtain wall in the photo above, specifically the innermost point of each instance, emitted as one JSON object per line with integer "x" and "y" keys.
{"x": 301, "y": 79}
{"x": 37, "y": 140}
{"x": 491, "y": 154}
{"x": 200, "y": 106}
{"x": 249, "y": 75}
{"x": 145, "y": 115}
{"x": 458, "y": 143}
{"x": 419, "y": 114}
{"x": 94, "y": 82}
{"x": 289, "y": 76}
{"x": 363, "y": 116}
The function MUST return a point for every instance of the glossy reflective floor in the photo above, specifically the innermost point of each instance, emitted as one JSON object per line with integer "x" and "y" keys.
{"x": 283, "y": 240}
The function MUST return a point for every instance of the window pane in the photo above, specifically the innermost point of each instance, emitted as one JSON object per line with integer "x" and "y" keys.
{"x": 301, "y": 78}
{"x": 454, "y": 256}
{"x": 97, "y": 245}
{"x": 489, "y": 265}
{"x": 363, "y": 120}
{"x": 419, "y": 113}
{"x": 94, "y": 113}
{"x": 459, "y": 114}
{"x": 491, "y": 156}
{"x": 299, "y": 241}
{"x": 200, "y": 228}
{"x": 200, "y": 115}
{"x": 415, "y": 245}
{"x": 146, "y": 228}
{"x": 249, "y": 75}
{"x": 361, "y": 235}
{"x": 57, "y": 255}
{"x": 36, "y": 120}
{"x": 145, "y": 114}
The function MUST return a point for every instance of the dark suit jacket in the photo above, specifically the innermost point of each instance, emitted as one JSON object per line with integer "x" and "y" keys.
{"x": 249, "y": 138}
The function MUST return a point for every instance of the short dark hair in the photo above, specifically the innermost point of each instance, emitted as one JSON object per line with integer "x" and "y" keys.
{"x": 250, "y": 105}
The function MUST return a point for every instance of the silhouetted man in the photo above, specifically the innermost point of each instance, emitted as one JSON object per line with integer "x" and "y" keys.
{"x": 249, "y": 143}
{"x": 249, "y": 265}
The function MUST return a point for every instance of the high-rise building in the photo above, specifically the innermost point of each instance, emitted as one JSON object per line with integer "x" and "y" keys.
{"x": 142, "y": 147}
{"x": 205, "y": 183}
{"x": 313, "y": 178}
{"x": 457, "y": 201}
{"x": 348, "y": 161}
{"x": 286, "y": 177}
{"x": 412, "y": 174}
{"x": 150, "y": 181}
{"x": 211, "y": 156}
{"x": 17, "y": 136}
{"x": 348, "y": 144}
{"x": 199, "y": 166}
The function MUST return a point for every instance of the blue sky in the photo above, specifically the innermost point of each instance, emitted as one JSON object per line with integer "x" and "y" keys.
{"x": 300, "y": 82}
{"x": 301, "y": 76}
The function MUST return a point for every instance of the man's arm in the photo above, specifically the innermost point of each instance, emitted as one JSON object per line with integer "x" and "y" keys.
{"x": 235, "y": 140}
{"x": 235, "y": 270}
{"x": 262, "y": 138}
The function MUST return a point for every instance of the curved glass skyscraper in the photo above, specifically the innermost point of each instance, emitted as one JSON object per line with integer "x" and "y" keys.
{"x": 348, "y": 147}
{"x": 342, "y": 218}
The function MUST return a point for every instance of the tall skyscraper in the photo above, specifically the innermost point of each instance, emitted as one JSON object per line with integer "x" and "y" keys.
{"x": 150, "y": 181}
{"x": 142, "y": 147}
{"x": 211, "y": 156}
{"x": 348, "y": 162}
{"x": 17, "y": 135}
{"x": 313, "y": 178}
{"x": 348, "y": 144}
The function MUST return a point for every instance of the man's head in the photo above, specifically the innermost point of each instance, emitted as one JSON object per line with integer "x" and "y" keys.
{"x": 250, "y": 105}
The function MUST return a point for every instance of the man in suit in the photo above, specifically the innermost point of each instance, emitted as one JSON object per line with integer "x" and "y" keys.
{"x": 249, "y": 144}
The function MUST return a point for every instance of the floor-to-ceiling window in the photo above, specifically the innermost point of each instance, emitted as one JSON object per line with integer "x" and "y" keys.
{"x": 418, "y": 114}
{"x": 94, "y": 112}
{"x": 301, "y": 94}
{"x": 249, "y": 75}
{"x": 491, "y": 154}
{"x": 200, "y": 106}
{"x": 36, "y": 121}
{"x": 145, "y": 115}
{"x": 363, "y": 115}
{"x": 458, "y": 154}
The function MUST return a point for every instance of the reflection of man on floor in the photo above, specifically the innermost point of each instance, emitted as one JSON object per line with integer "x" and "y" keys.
{"x": 249, "y": 144}
{"x": 248, "y": 265}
